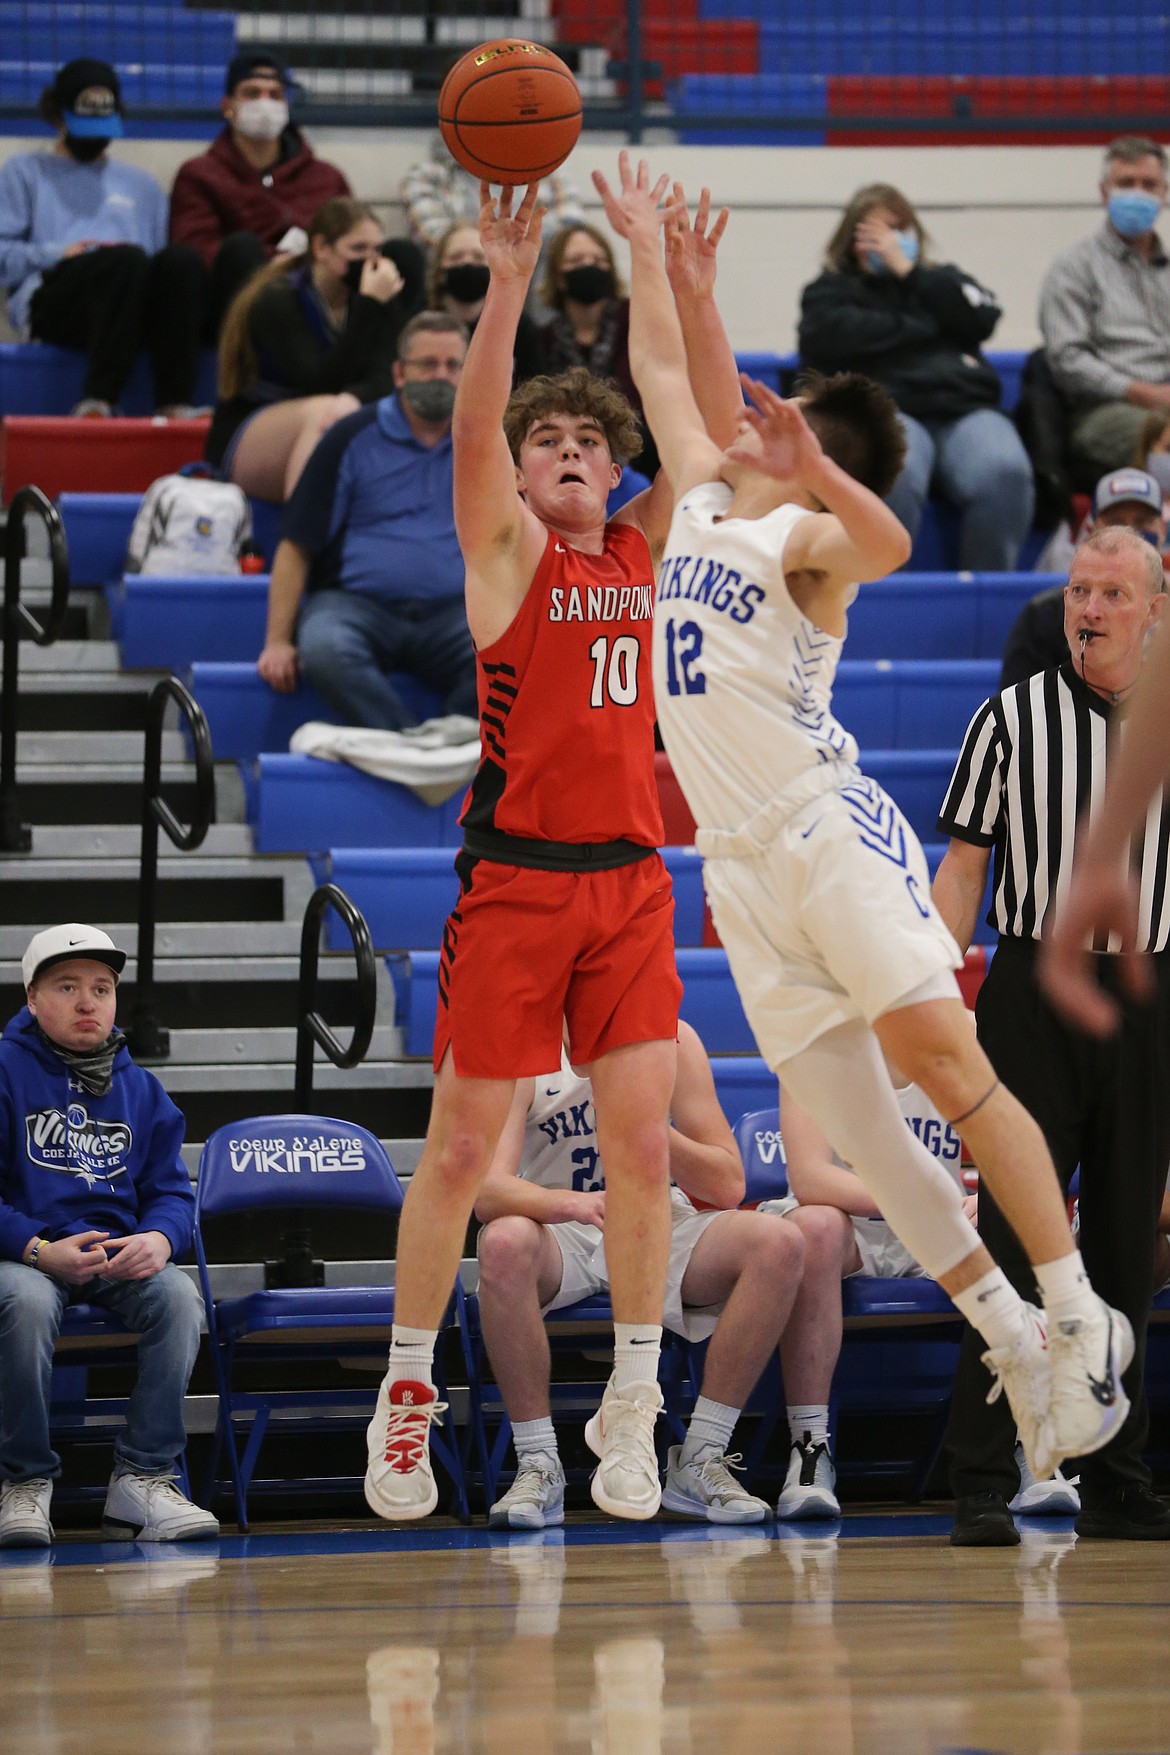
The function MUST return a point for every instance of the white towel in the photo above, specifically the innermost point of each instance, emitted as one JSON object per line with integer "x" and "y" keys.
{"x": 434, "y": 759}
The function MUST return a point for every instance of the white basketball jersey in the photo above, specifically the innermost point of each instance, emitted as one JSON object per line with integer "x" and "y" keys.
{"x": 560, "y": 1134}
{"x": 926, "y": 1124}
{"x": 742, "y": 680}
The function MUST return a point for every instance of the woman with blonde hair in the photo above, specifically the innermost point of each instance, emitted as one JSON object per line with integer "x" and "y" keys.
{"x": 457, "y": 285}
{"x": 882, "y": 307}
{"x": 308, "y": 340}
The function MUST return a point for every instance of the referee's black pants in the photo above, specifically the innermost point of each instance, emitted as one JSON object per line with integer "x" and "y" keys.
{"x": 1106, "y": 1106}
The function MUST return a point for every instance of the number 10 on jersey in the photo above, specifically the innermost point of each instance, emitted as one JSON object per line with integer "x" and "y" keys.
{"x": 615, "y": 671}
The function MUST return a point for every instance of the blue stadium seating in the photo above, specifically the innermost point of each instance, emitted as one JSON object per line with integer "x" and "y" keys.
{"x": 940, "y": 615}
{"x": 710, "y": 1001}
{"x": 38, "y": 379}
{"x": 157, "y": 84}
{"x": 97, "y": 529}
{"x": 800, "y": 92}
{"x": 406, "y": 893}
{"x": 824, "y": 44}
{"x": 917, "y": 781}
{"x": 166, "y": 623}
{"x": 905, "y": 704}
{"x": 119, "y": 33}
{"x": 742, "y": 1081}
{"x": 296, "y": 802}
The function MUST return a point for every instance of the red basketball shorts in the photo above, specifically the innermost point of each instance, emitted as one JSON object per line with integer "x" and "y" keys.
{"x": 523, "y": 948}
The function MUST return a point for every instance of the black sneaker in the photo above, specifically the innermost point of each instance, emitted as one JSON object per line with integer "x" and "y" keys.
{"x": 982, "y": 1520}
{"x": 1131, "y": 1514}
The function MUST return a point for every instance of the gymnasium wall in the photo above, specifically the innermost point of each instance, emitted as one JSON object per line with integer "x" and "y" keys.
{"x": 1001, "y": 212}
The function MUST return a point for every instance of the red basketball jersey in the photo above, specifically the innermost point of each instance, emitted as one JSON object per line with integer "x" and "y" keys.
{"x": 566, "y": 704}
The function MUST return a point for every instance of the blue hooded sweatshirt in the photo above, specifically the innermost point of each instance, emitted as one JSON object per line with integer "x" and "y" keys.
{"x": 70, "y": 1161}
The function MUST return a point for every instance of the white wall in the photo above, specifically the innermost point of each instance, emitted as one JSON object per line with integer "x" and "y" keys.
{"x": 1002, "y": 213}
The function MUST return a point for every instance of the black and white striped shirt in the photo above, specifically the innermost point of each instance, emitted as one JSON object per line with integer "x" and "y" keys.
{"x": 1033, "y": 756}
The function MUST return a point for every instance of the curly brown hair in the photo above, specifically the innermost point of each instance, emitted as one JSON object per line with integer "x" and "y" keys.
{"x": 574, "y": 392}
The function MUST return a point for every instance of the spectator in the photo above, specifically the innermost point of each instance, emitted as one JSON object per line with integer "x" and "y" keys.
{"x": 733, "y": 1279}
{"x": 589, "y": 323}
{"x": 310, "y": 338}
{"x": 1105, "y": 311}
{"x": 437, "y": 194}
{"x": 1127, "y": 499}
{"x": 255, "y": 189}
{"x": 369, "y": 534}
{"x": 95, "y": 1207}
{"x": 1152, "y": 451}
{"x": 83, "y": 250}
{"x": 882, "y": 307}
{"x": 458, "y": 284}
{"x": 1104, "y": 1105}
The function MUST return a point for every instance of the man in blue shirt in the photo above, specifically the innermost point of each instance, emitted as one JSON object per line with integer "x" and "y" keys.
{"x": 84, "y": 257}
{"x": 95, "y": 1205}
{"x": 368, "y": 577}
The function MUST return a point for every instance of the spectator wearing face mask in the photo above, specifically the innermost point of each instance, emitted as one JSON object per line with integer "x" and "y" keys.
{"x": 83, "y": 250}
{"x": 1152, "y": 451}
{"x": 255, "y": 189}
{"x": 309, "y": 339}
{"x": 457, "y": 285}
{"x": 917, "y": 326}
{"x": 589, "y": 324}
{"x": 1105, "y": 311}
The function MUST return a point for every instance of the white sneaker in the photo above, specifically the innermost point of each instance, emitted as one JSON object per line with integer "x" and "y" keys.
{"x": 24, "y": 1513}
{"x": 706, "y": 1487}
{"x": 400, "y": 1483}
{"x": 810, "y": 1487}
{"x": 1085, "y": 1409}
{"x": 536, "y": 1498}
{"x": 150, "y": 1508}
{"x": 1055, "y": 1497}
{"x": 625, "y": 1482}
{"x": 1022, "y": 1371}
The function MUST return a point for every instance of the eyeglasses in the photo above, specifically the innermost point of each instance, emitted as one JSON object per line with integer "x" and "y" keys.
{"x": 454, "y": 363}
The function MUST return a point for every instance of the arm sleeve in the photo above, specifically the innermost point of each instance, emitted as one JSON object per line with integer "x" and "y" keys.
{"x": 839, "y": 332}
{"x": 966, "y": 312}
{"x": 166, "y": 1202}
{"x": 974, "y": 800}
{"x": 1067, "y": 299}
{"x": 18, "y": 256}
{"x": 194, "y": 219}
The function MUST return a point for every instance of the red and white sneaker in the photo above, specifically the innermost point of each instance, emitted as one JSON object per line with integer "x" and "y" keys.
{"x": 400, "y": 1483}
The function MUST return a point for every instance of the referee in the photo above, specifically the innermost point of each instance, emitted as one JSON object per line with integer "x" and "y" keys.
{"x": 1033, "y": 758}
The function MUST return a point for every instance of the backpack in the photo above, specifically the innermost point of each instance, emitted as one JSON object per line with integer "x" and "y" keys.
{"x": 189, "y": 525}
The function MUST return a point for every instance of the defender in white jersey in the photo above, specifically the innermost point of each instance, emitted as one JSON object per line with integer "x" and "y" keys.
{"x": 817, "y": 885}
{"x": 733, "y": 1277}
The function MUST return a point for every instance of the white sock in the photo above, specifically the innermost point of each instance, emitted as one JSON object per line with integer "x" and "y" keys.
{"x": 994, "y": 1307}
{"x": 808, "y": 1420}
{"x": 532, "y": 1437}
{"x": 636, "y": 1346}
{"x": 712, "y": 1424}
{"x": 412, "y": 1355}
{"x": 1064, "y": 1287}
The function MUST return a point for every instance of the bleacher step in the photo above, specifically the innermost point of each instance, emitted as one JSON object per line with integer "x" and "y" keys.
{"x": 91, "y": 656}
{"x": 78, "y": 749}
{"x": 274, "y": 1049}
{"x": 188, "y": 938}
{"x": 124, "y": 841}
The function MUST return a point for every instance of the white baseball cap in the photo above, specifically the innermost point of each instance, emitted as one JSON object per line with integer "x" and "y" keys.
{"x": 60, "y": 944}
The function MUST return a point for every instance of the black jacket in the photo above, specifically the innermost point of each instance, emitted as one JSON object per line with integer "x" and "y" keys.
{"x": 919, "y": 335}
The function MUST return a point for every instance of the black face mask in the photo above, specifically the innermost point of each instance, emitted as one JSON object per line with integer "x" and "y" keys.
{"x": 467, "y": 281}
{"x": 589, "y": 284}
{"x": 87, "y": 150}
{"x": 353, "y": 274}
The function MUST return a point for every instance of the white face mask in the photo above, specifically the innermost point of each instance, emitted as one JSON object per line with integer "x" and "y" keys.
{"x": 261, "y": 118}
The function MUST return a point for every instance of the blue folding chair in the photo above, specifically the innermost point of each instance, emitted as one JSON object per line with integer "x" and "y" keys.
{"x": 91, "y": 1338}
{"x": 299, "y": 1163}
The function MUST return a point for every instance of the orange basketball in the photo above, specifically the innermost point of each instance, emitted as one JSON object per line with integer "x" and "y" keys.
{"x": 510, "y": 111}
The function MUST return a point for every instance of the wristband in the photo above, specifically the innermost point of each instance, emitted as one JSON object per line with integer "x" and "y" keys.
{"x": 31, "y": 1260}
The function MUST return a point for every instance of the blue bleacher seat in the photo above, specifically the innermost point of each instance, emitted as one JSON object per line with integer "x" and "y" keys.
{"x": 917, "y": 781}
{"x": 97, "y": 529}
{"x": 36, "y": 378}
{"x": 940, "y": 615}
{"x": 799, "y": 93}
{"x": 406, "y": 893}
{"x": 286, "y": 1164}
{"x": 825, "y": 44}
{"x": 247, "y": 717}
{"x": 297, "y": 803}
{"x": 163, "y": 623}
{"x": 120, "y": 33}
{"x": 899, "y": 704}
{"x": 156, "y": 83}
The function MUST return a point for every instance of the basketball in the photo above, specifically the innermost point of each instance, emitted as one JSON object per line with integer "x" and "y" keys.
{"x": 510, "y": 111}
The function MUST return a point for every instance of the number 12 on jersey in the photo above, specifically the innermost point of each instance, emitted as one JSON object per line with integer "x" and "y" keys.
{"x": 684, "y": 647}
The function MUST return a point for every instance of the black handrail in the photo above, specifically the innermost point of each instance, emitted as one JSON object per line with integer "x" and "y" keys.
{"x": 15, "y": 836}
{"x": 146, "y": 1036}
{"x": 311, "y": 1026}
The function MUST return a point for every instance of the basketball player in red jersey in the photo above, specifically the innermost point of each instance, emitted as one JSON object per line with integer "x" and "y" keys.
{"x": 565, "y": 906}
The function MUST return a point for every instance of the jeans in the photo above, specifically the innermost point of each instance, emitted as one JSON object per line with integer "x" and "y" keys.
{"x": 978, "y": 462}
{"x": 165, "y": 1311}
{"x": 348, "y": 644}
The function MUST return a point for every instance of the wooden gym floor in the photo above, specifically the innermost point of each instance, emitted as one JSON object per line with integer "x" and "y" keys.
{"x": 662, "y": 1639}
